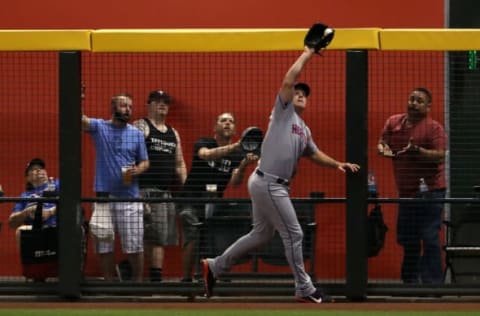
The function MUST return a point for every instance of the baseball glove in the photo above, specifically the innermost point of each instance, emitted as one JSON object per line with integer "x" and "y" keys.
{"x": 319, "y": 36}
{"x": 251, "y": 140}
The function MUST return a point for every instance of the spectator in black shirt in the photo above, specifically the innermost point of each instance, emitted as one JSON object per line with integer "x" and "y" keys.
{"x": 216, "y": 162}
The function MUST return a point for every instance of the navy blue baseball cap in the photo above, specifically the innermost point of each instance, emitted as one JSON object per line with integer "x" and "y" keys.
{"x": 304, "y": 87}
{"x": 159, "y": 95}
{"x": 34, "y": 162}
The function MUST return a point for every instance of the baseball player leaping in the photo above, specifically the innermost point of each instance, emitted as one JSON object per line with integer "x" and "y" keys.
{"x": 286, "y": 140}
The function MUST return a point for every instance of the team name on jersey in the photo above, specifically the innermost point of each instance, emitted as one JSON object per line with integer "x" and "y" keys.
{"x": 44, "y": 253}
{"x": 161, "y": 145}
{"x": 298, "y": 130}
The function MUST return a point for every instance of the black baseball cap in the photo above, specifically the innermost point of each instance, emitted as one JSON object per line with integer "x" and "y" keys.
{"x": 159, "y": 95}
{"x": 34, "y": 162}
{"x": 304, "y": 87}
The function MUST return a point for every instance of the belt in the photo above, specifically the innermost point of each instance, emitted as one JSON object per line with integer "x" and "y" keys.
{"x": 272, "y": 177}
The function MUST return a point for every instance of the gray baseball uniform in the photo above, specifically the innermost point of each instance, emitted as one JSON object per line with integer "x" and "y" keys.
{"x": 286, "y": 140}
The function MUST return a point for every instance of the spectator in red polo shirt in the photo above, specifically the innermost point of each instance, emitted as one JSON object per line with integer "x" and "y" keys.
{"x": 417, "y": 145}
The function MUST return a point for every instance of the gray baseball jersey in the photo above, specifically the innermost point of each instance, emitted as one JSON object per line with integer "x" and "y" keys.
{"x": 286, "y": 140}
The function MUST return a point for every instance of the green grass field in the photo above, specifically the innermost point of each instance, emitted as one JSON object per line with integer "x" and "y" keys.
{"x": 221, "y": 312}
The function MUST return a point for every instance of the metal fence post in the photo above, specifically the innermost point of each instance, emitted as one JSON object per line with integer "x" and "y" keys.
{"x": 70, "y": 214}
{"x": 356, "y": 152}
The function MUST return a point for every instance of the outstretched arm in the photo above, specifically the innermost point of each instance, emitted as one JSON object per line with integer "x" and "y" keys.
{"x": 85, "y": 122}
{"x": 323, "y": 159}
{"x": 218, "y": 152}
{"x": 286, "y": 91}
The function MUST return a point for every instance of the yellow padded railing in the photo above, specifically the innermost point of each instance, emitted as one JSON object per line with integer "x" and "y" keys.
{"x": 430, "y": 39}
{"x": 232, "y": 40}
{"x": 45, "y": 40}
{"x": 215, "y": 40}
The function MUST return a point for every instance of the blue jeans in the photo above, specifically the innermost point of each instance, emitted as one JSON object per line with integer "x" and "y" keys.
{"x": 418, "y": 227}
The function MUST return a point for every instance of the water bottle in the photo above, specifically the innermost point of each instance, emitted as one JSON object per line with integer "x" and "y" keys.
{"x": 472, "y": 60}
{"x": 422, "y": 187}
{"x": 211, "y": 190}
{"x": 372, "y": 184}
{"x": 51, "y": 184}
{"x": 50, "y": 189}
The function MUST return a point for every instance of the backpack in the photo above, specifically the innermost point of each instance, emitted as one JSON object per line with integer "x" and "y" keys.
{"x": 376, "y": 231}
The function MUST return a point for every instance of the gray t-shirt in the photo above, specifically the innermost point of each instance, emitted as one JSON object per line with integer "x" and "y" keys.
{"x": 286, "y": 140}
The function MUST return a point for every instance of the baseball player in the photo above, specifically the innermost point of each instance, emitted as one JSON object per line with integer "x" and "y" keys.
{"x": 286, "y": 140}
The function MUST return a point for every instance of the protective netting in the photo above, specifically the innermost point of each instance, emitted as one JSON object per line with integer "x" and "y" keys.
{"x": 204, "y": 85}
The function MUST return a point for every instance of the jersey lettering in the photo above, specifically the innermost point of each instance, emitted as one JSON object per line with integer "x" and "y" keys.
{"x": 160, "y": 145}
{"x": 224, "y": 165}
{"x": 298, "y": 130}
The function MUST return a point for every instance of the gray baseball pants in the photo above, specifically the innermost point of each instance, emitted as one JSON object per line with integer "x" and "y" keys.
{"x": 272, "y": 210}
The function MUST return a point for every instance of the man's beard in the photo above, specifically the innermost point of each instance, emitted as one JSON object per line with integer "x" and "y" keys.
{"x": 416, "y": 115}
{"x": 122, "y": 117}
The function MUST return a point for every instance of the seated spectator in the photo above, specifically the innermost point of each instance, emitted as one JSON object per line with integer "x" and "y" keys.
{"x": 37, "y": 181}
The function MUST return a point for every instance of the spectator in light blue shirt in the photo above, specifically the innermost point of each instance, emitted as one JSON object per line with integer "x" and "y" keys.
{"x": 121, "y": 156}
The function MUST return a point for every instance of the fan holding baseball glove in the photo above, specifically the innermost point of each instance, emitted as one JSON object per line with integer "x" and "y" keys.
{"x": 251, "y": 140}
